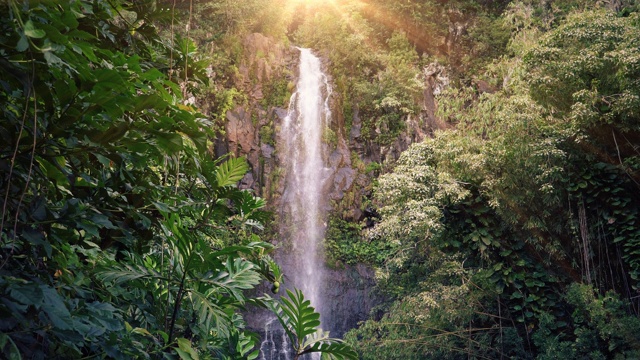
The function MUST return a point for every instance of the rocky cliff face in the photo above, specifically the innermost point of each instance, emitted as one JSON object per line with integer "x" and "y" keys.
{"x": 251, "y": 127}
{"x": 267, "y": 75}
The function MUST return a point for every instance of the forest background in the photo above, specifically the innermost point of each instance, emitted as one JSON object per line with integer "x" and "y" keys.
{"x": 511, "y": 231}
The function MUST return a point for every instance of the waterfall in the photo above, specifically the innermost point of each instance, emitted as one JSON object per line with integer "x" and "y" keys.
{"x": 304, "y": 201}
{"x": 275, "y": 344}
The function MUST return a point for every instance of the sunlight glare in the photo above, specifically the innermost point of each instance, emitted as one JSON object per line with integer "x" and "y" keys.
{"x": 311, "y": 2}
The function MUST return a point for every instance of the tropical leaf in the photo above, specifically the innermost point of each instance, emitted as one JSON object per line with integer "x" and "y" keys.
{"x": 239, "y": 275}
{"x": 242, "y": 346}
{"x": 249, "y": 207}
{"x": 211, "y": 312}
{"x": 330, "y": 348}
{"x": 300, "y": 321}
{"x": 259, "y": 247}
{"x": 270, "y": 269}
{"x": 186, "y": 351}
{"x": 231, "y": 171}
{"x": 305, "y": 318}
{"x": 297, "y": 316}
{"x": 54, "y": 306}
{"x": 246, "y": 202}
{"x": 128, "y": 273}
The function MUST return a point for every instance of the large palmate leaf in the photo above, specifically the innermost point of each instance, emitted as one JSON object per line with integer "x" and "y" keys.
{"x": 242, "y": 346}
{"x": 239, "y": 274}
{"x": 330, "y": 348}
{"x": 128, "y": 273}
{"x": 249, "y": 207}
{"x": 296, "y": 315}
{"x": 212, "y": 313}
{"x": 300, "y": 321}
{"x": 231, "y": 171}
{"x": 303, "y": 319}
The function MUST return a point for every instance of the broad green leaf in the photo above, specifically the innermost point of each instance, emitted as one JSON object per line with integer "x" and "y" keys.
{"x": 162, "y": 207}
{"x": 231, "y": 171}
{"x": 141, "y": 331}
{"x": 163, "y": 335}
{"x": 53, "y": 172}
{"x": 51, "y": 58}
{"x": 87, "y": 50}
{"x": 31, "y": 31}
{"x": 240, "y": 275}
{"x": 28, "y": 294}
{"x": 170, "y": 143}
{"x": 186, "y": 350}
{"x": 23, "y": 43}
{"x": 56, "y": 310}
{"x": 103, "y": 221}
{"x": 184, "y": 355}
{"x": 209, "y": 312}
{"x": 13, "y": 352}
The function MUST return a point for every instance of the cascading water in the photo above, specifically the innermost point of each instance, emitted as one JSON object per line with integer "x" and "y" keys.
{"x": 304, "y": 200}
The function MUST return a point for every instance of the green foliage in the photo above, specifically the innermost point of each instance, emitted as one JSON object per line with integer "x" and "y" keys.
{"x": 345, "y": 244}
{"x": 465, "y": 34}
{"x": 533, "y": 194}
{"x": 185, "y": 287}
{"x": 300, "y": 322}
{"x": 267, "y": 134}
{"x": 592, "y": 55}
{"x": 448, "y": 316}
{"x": 601, "y": 328}
{"x": 93, "y": 136}
{"x": 383, "y": 85}
{"x": 277, "y": 92}
{"x": 586, "y": 70}
{"x": 120, "y": 236}
{"x": 486, "y": 39}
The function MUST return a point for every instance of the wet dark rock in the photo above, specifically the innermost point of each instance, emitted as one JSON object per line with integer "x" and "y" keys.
{"x": 350, "y": 298}
{"x": 267, "y": 151}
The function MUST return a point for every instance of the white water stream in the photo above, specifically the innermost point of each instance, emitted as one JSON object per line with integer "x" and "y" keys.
{"x": 304, "y": 198}
{"x": 302, "y": 214}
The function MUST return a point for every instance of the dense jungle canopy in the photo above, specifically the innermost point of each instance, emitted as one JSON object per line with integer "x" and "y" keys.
{"x": 512, "y": 231}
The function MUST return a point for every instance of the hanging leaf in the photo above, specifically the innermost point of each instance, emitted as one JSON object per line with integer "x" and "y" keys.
{"x": 23, "y": 43}
{"x": 31, "y": 31}
{"x": 231, "y": 171}
{"x": 210, "y": 313}
{"x": 56, "y": 310}
{"x": 240, "y": 275}
{"x": 186, "y": 350}
{"x": 330, "y": 348}
{"x": 300, "y": 321}
{"x": 170, "y": 143}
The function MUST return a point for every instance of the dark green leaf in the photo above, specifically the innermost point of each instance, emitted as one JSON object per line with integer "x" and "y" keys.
{"x": 32, "y": 32}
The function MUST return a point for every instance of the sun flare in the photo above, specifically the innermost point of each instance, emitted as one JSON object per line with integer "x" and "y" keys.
{"x": 312, "y": 2}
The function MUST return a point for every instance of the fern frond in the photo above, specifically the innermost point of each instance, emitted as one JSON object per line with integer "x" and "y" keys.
{"x": 231, "y": 171}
